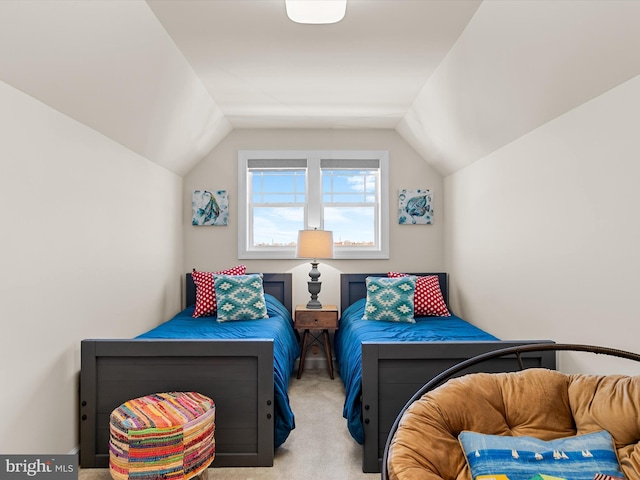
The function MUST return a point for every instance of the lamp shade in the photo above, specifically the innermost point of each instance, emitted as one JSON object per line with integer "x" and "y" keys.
{"x": 315, "y": 244}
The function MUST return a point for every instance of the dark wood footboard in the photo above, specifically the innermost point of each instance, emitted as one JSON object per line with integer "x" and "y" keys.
{"x": 236, "y": 374}
{"x": 393, "y": 372}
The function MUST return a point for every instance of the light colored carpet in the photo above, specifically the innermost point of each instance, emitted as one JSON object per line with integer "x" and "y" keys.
{"x": 320, "y": 446}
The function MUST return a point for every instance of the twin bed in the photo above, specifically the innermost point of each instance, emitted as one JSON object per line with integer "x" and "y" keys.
{"x": 383, "y": 364}
{"x": 245, "y": 366}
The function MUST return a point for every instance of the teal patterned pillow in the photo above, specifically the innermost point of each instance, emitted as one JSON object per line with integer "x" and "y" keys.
{"x": 390, "y": 299}
{"x": 240, "y": 297}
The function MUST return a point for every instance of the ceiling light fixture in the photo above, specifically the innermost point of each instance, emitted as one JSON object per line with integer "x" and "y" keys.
{"x": 316, "y": 11}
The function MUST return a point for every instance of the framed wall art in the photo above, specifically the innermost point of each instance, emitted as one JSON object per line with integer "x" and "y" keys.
{"x": 414, "y": 207}
{"x": 210, "y": 208}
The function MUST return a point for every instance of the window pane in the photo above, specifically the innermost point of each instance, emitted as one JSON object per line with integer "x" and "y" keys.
{"x": 280, "y": 182}
{"x": 343, "y": 183}
{"x": 344, "y": 198}
{"x": 351, "y": 226}
{"x": 348, "y": 186}
{"x": 278, "y": 198}
{"x": 371, "y": 184}
{"x": 277, "y": 226}
{"x": 301, "y": 183}
{"x": 277, "y": 186}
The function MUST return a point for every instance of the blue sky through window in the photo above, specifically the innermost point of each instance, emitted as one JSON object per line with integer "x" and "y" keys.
{"x": 280, "y": 196}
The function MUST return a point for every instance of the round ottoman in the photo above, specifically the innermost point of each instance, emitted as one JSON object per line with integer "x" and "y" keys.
{"x": 164, "y": 435}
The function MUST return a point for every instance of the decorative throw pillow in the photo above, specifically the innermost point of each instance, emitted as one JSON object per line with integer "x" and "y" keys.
{"x": 240, "y": 297}
{"x": 390, "y": 299}
{"x": 205, "y": 291}
{"x": 428, "y": 298}
{"x": 520, "y": 458}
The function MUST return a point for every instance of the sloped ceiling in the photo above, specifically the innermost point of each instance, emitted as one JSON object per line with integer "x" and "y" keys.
{"x": 518, "y": 65}
{"x": 111, "y": 65}
{"x": 169, "y": 79}
{"x": 264, "y": 70}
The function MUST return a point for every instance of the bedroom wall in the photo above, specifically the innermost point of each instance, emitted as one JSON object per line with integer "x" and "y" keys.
{"x": 418, "y": 247}
{"x": 91, "y": 247}
{"x": 542, "y": 235}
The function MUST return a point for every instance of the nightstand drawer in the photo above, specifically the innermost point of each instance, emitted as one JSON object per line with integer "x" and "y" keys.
{"x": 321, "y": 319}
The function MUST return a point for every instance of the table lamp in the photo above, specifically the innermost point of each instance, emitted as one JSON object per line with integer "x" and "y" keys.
{"x": 314, "y": 244}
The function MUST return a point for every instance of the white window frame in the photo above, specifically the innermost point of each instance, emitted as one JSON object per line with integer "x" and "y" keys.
{"x": 313, "y": 208}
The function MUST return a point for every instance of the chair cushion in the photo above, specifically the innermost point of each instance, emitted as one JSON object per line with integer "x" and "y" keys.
{"x": 538, "y": 403}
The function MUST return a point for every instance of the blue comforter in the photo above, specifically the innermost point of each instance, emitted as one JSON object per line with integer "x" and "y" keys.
{"x": 279, "y": 327}
{"x": 354, "y": 330}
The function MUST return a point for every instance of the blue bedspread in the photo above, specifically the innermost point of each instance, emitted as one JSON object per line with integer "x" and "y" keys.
{"x": 279, "y": 327}
{"x": 354, "y": 330}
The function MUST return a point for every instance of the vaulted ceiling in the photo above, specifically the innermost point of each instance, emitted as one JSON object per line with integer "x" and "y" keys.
{"x": 169, "y": 79}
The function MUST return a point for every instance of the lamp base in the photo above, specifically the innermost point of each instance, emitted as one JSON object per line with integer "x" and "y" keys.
{"x": 314, "y": 305}
{"x": 314, "y": 290}
{"x": 314, "y": 286}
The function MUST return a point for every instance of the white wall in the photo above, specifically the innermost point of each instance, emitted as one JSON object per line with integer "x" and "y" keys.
{"x": 91, "y": 247}
{"x": 542, "y": 235}
{"x": 112, "y": 66}
{"x": 413, "y": 247}
{"x": 516, "y": 66}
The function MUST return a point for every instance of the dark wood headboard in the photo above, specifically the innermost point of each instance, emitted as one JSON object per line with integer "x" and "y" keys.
{"x": 353, "y": 286}
{"x": 277, "y": 284}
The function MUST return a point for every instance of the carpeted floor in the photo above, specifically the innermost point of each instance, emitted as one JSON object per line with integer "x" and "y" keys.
{"x": 320, "y": 446}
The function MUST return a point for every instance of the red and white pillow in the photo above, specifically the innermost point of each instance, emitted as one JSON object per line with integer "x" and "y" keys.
{"x": 206, "y": 304}
{"x": 428, "y": 298}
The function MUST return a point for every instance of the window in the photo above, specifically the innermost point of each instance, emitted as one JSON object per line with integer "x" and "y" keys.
{"x": 282, "y": 192}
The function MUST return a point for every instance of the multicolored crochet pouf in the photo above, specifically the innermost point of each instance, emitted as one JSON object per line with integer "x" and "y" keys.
{"x": 164, "y": 435}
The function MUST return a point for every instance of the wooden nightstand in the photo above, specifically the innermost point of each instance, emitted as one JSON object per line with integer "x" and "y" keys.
{"x": 325, "y": 319}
